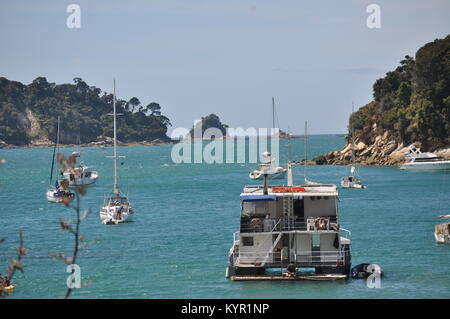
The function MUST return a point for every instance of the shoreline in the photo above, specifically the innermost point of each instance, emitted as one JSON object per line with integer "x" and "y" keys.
{"x": 384, "y": 151}
{"x": 93, "y": 144}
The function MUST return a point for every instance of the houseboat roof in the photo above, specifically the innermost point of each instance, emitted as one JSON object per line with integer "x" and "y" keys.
{"x": 256, "y": 192}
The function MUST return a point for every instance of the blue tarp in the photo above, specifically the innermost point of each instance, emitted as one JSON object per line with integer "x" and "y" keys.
{"x": 254, "y": 198}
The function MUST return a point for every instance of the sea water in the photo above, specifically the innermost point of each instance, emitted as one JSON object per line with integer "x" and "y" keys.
{"x": 186, "y": 214}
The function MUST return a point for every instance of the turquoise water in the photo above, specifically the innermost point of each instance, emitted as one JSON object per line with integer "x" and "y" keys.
{"x": 186, "y": 215}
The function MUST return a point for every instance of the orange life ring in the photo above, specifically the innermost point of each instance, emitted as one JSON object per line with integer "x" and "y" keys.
{"x": 287, "y": 189}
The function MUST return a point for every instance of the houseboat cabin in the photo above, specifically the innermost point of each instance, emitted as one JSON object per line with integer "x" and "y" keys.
{"x": 289, "y": 228}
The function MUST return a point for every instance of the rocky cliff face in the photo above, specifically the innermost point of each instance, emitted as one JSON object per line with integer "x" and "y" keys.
{"x": 384, "y": 151}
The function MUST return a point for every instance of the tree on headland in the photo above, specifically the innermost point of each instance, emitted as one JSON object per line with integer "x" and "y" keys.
{"x": 412, "y": 102}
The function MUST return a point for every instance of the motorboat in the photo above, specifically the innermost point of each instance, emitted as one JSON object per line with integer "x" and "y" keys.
{"x": 424, "y": 161}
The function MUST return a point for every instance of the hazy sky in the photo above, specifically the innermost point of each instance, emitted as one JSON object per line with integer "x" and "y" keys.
{"x": 226, "y": 57}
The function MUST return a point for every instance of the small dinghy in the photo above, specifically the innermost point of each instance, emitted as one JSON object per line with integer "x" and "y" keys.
{"x": 9, "y": 288}
{"x": 360, "y": 271}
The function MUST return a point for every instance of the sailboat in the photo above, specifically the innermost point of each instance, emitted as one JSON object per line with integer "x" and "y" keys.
{"x": 267, "y": 167}
{"x": 352, "y": 181}
{"x": 116, "y": 208}
{"x": 55, "y": 193}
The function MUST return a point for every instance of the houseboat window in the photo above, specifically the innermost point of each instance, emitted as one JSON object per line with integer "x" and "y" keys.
{"x": 316, "y": 240}
{"x": 299, "y": 208}
{"x": 247, "y": 241}
{"x": 256, "y": 208}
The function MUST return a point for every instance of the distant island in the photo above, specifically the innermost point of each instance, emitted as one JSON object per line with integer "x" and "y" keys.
{"x": 411, "y": 106}
{"x": 28, "y": 115}
{"x": 209, "y": 121}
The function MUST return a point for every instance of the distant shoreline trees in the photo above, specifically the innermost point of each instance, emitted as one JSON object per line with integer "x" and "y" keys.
{"x": 29, "y": 113}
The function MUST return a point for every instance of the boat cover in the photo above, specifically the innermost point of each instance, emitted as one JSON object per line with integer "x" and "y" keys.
{"x": 254, "y": 198}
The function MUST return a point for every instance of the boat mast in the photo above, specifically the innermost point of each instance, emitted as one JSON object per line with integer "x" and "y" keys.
{"x": 54, "y": 152}
{"x": 353, "y": 137}
{"x": 116, "y": 186}
{"x": 290, "y": 179}
{"x": 306, "y": 148}
{"x": 273, "y": 112}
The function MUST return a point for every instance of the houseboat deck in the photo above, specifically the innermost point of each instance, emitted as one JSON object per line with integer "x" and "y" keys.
{"x": 326, "y": 277}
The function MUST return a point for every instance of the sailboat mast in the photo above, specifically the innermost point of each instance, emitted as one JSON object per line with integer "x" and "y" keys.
{"x": 273, "y": 112}
{"x": 54, "y": 152}
{"x": 116, "y": 187}
{"x": 353, "y": 136}
{"x": 306, "y": 147}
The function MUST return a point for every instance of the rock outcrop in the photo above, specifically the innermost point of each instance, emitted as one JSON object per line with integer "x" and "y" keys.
{"x": 384, "y": 151}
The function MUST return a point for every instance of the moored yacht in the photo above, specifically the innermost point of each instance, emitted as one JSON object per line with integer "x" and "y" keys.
{"x": 80, "y": 176}
{"x": 273, "y": 172}
{"x": 352, "y": 180}
{"x": 424, "y": 161}
{"x": 442, "y": 231}
{"x": 56, "y": 193}
{"x": 116, "y": 208}
{"x": 289, "y": 228}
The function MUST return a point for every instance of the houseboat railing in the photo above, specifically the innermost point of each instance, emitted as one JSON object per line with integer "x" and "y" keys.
{"x": 257, "y": 225}
{"x": 311, "y": 258}
{"x": 345, "y": 233}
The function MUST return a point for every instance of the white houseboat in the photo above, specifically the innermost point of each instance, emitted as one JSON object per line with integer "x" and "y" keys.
{"x": 289, "y": 228}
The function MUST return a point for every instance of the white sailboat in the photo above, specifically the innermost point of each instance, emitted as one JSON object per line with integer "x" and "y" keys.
{"x": 116, "y": 208}
{"x": 267, "y": 167}
{"x": 55, "y": 193}
{"x": 352, "y": 181}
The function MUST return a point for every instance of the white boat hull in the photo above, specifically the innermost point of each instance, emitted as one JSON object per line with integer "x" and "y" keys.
{"x": 52, "y": 196}
{"x": 352, "y": 185}
{"x": 259, "y": 175}
{"x": 108, "y": 215}
{"x": 80, "y": 179}
{"x": 442, "y": 165}
{"x": 442, "y": 239}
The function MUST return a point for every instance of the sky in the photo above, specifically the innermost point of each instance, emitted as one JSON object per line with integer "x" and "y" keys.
{"x": 228, "y": 57}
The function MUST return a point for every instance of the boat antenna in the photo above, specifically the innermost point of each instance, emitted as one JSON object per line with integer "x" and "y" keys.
{"x": 54, "y": 152}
